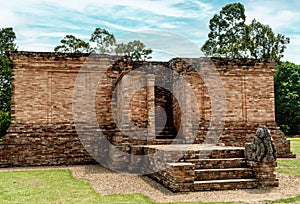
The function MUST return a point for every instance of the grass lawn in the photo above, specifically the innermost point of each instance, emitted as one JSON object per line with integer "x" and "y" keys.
{"x": 295, "y": 145}
{"x": 59, "y": 186}
{"x": 54, "y": 186}
{"x": 291, "y": 166}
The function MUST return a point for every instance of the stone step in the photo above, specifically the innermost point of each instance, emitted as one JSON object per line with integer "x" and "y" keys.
{"x": 162, "y": 135}
{"x": 165, "y": 137}
{"x": 220, "y": 174}
{"x": 160, "y": 131}
{"x": 227, "y": 153}
{"x": 164, "y": 141}
{"x": 218, "y": 163}
{"x": 165, "y": 133}
{"x": 164, "y": 127}
{"x": 214, "y": 153}
{"x": 227, "y": 184}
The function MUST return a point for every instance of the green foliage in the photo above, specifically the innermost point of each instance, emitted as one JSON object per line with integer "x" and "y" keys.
{"x": 135, "y": 49}
{"x": 71, "y": 44}
{"x": 226, "y": 32}
{"x": 231, "y": 37}
{"x": 5, "y": 83}
{"x": 7, "y": 38}
{"x": 105, "y": 41}
{"x": 105, "y": 44}
{"x": 4, "y": 122}
{"x": 263, "y": 43}
{"x": 287, "y": 97}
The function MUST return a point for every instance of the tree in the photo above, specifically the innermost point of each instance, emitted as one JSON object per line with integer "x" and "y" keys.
{"x": 287, "y": 97}
{"x": 105, "y": 41}
{"x": 231, "y": 37}
{"x": 264, "y": 44}
{"x": 5, "y": 83}
{"x": 4, "y": 122}
{"x": 135, "y": 49}
{"x": 7, "y": 38}
{"x": 227, "y": 29}
{"x": 71, "y": 44}
{"x": 105, "y": 44}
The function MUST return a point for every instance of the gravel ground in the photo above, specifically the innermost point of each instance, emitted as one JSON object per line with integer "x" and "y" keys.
{"x": 106, "y": 182}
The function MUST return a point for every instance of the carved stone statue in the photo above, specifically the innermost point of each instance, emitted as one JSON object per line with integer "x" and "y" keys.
{"x": 262, "y": 148}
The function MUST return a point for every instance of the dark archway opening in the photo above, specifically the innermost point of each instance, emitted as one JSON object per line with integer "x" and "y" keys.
{"x": 164, "y": 120}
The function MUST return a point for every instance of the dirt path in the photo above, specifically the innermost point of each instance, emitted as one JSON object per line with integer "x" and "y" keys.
{"x": 106, "y": 182}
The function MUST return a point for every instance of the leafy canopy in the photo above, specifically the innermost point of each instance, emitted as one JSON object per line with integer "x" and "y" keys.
{"x": 230, "y": 37}
{"x": 7, "y": 43}
{"x": 71, "y": 44}
{"x": 287, "y": 97}
{"x": 105, "y": 43}
{"x": 135, "y": 49}
{"x": 227, "y": 29}
{"x": 7, "y": 40}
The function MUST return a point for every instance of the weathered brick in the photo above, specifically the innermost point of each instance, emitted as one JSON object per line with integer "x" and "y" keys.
{"x": 43, "y": 132}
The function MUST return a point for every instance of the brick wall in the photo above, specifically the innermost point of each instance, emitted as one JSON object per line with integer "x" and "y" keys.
{"x": 43, "y": 132}
{"x": 249, "y": 92}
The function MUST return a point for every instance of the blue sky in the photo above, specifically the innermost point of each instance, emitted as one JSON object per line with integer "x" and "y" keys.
{"x": 169, "y": 27}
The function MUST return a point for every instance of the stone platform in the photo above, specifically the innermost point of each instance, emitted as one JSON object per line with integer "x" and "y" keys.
{"x": 195, "y": 167}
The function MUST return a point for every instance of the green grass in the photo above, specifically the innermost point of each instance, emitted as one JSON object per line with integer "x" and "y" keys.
{"x": 291, "y": 166}
{"x": 198, "y": 203}
{"x": 284, "y": 200}
{"x": 59, "y": 186}
{"x": 54, "y": 186}
{"x": 295, "y": 145}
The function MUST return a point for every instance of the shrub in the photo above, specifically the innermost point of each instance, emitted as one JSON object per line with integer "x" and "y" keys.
{"x": 287, "y": 97}
{"x": 4, "y": 122}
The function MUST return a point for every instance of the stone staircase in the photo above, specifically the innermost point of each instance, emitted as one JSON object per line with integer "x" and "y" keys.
{"x": 222, "y": 173}
{"x": 167, "y": 132}
{"x": 221, "y": 168}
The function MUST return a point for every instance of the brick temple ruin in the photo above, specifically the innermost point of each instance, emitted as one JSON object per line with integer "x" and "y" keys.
{"x": 43, "y": 129}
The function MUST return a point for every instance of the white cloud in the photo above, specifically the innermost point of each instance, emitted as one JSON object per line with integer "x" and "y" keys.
{"x": 63, "y": 34}
{"x": 24, "y": 46}
{"x": 164, "y": 8}
{"x": 116, "y": 26}
{"x": 275, "y": 15}
{"x": 164, "y": 42}
{"x": 283, "y": 17}
{"x": 10, "y": 19}
{"x": 292, "y": 52}
{"x": 40, "y": 24}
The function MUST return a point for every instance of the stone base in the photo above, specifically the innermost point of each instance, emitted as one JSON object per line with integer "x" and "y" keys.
{"x": 264, "y": 173}
{"x": 42, "y": 145}
{"x": 222, "y": 168}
